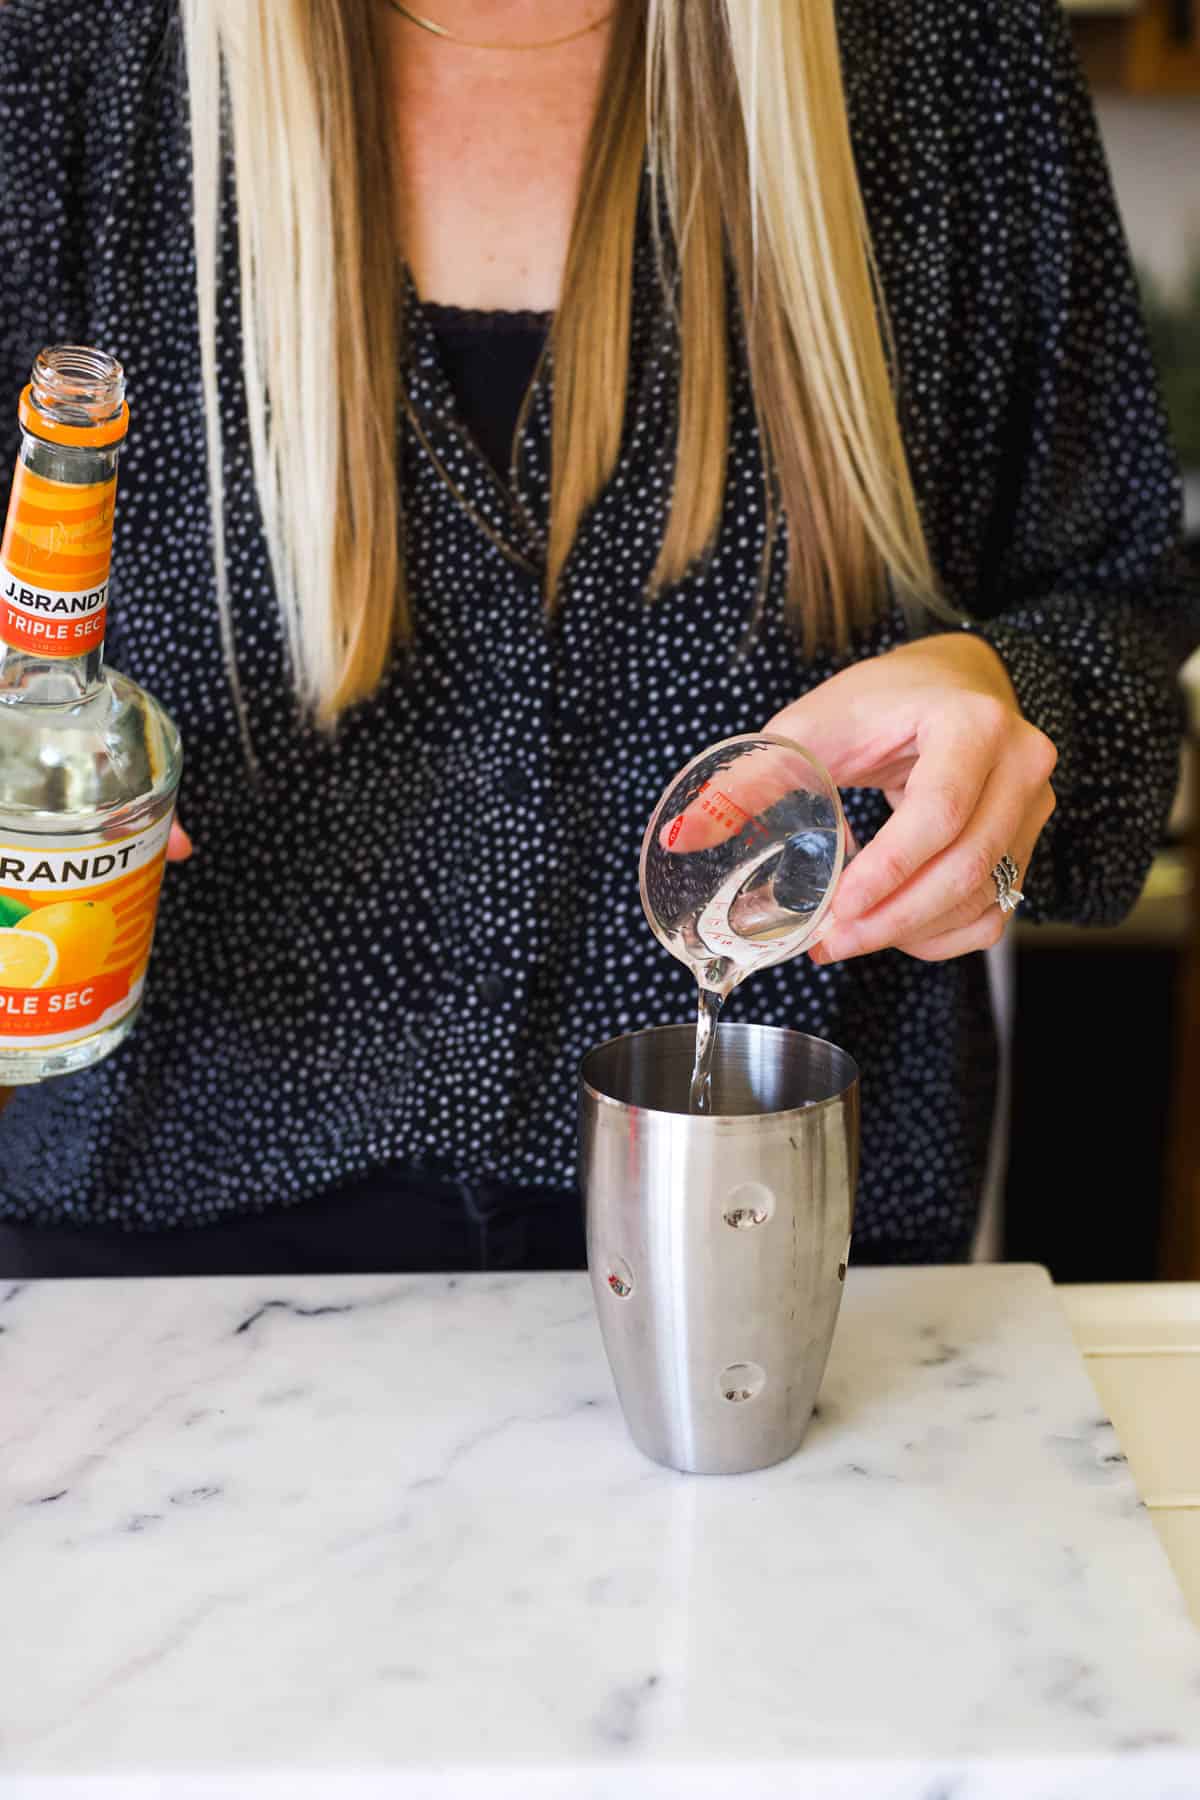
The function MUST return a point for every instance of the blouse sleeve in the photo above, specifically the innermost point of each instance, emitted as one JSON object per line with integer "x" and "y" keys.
{"x": 43, "y": 174}
{"x": 1083, "y": 585}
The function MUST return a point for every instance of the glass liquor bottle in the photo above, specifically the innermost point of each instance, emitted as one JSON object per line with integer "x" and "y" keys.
{"x": 89, "y": 762}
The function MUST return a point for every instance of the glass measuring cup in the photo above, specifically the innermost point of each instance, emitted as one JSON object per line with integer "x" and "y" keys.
{"x": 739, "y": 863}
{"x": 741, "y": 857}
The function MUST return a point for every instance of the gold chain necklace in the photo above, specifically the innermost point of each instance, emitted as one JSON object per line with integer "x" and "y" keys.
{"x": 437, "y": 30}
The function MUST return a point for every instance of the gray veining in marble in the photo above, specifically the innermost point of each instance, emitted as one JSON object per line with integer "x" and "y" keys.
{"x": 379, "y": 1537}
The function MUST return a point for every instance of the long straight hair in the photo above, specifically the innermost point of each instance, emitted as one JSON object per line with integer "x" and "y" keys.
{"x": 739, "y": 107}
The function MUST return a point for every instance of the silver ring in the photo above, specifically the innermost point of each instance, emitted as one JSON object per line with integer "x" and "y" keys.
{"x": 1006, "y": 875}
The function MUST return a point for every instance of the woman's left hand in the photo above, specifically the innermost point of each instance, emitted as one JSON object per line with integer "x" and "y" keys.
{"x": 935, "y": 725}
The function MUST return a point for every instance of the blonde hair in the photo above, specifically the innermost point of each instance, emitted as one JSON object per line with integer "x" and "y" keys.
{"x": 740, "y": 107}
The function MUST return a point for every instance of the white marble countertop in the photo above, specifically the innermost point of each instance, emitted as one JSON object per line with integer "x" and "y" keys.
{"x": 387, "y": 1537}
{"x": 1141, "y": 1342}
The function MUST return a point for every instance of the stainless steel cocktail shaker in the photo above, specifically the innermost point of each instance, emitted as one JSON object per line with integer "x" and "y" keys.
{"x": 717, "y": 1244}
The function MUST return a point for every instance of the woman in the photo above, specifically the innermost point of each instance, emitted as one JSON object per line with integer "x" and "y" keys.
{"x": 568, "y": 389}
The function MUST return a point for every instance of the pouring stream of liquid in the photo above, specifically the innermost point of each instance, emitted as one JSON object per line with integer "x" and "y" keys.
{"x": 707, "y": 1017}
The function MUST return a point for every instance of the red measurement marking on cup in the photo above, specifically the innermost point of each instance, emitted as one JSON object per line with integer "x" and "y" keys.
{"x": 719, "y": 806}
{"x": 726, "y": 810}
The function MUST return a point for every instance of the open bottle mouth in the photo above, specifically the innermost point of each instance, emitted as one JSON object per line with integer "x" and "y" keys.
{"x": 73, "y": 384}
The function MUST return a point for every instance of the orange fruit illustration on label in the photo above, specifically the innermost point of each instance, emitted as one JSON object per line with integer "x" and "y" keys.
{"x": 27, "y": 958}
{"x": 80, "y": 932}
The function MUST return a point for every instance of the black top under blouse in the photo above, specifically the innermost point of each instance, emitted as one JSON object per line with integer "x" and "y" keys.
{"x": 393, "y": 943}
{"x": 489, "y": 359}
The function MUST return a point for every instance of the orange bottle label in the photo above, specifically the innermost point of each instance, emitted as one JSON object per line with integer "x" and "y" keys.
{"x": 76, "y": 926}
{"x": 54, "y": 565}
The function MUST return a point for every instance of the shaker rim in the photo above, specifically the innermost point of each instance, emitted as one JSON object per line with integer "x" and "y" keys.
{"x": 806, "y": 1109}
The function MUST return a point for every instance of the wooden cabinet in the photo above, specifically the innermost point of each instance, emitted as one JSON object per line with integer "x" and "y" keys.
{"x": 1147, "y": 48}
{"x": 1180, "y": 1247}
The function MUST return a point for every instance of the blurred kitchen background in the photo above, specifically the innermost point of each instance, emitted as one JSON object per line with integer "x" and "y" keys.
{"x": 1103, "y": 1152}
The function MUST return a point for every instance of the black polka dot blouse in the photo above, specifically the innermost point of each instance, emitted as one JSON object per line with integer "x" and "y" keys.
{"x": 393, "y": 945}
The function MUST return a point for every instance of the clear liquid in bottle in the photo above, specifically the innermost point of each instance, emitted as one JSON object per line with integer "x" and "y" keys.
{"x": 89, "y": 762}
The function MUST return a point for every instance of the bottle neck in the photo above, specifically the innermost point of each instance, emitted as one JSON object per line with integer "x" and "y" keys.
{"x": 54, "y": 570}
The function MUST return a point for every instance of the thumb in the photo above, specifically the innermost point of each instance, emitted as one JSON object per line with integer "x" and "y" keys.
{"x": 179, "y": 844}
{"x": 861, "y": 725}
{"x": 827, "y": 723}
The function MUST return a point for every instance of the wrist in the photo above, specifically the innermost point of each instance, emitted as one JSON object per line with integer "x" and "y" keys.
{"x": 968, "y": 660}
